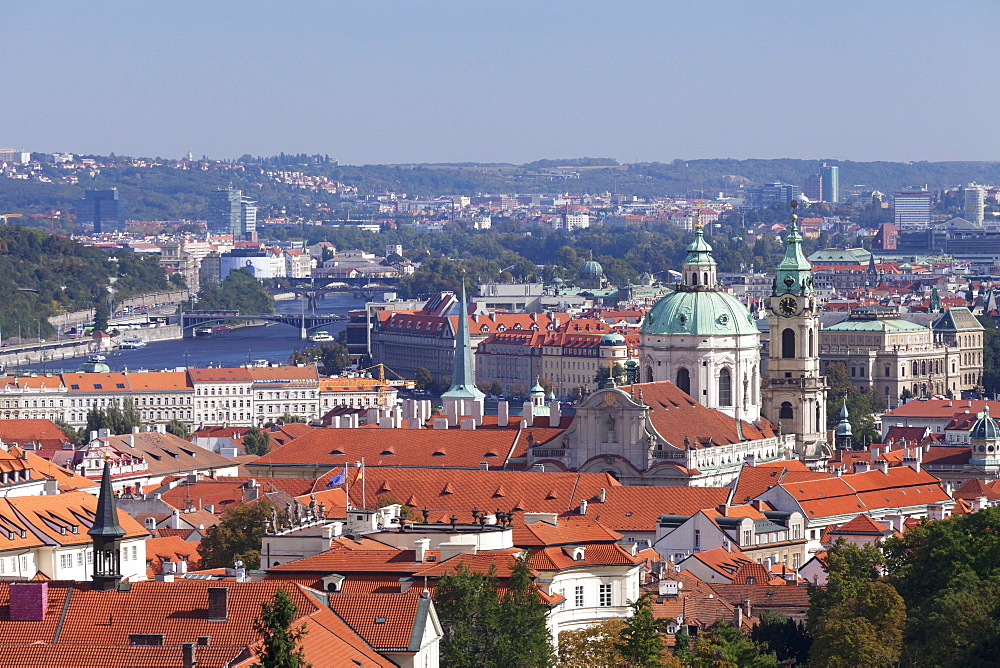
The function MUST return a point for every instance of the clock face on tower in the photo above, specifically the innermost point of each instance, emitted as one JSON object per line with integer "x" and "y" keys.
{"x": 787, "y": 306}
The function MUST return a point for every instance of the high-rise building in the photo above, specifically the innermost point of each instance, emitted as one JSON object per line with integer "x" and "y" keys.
{"x": 912, "y": 209}
{"x": 813, "y": 188}
{"x": 830, "y": 174}
{"x": 772, "y": 193}
{"x": 229, "y": 212}
{"x": 974, "y": 203}
{"x": 101, "y": 211}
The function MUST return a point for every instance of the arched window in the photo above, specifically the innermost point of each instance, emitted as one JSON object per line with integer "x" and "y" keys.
{"x": 649, "y": 374}
{"x": 788, "y": 344}
{"x": 694, "y": 278}
{"x": 706, "y": 278}
{"x": 754, "y": 385}
{"x": 923, "y": 368}
{"x": 818, "y": 423}
{"x": 812, "y": 344}
{"x": 684, "y": 380}
{"x": 786, "y": 411}
{"x": 725, "y": 388}
{"x": 916, "y": 369}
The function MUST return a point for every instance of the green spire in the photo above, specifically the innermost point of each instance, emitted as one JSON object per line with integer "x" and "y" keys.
{"x": 935, "y": 301}
{"x": 794, "y": 273}
{"x": 463, "y": 384}
{"x": 844, "y": 426}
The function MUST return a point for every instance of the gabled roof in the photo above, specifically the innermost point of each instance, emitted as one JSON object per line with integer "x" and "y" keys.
{"x": 862, "y": 525}
{"x": 165, "y": 453}
{"x": 387, "y": 622}
{"x": 755, "y": 480}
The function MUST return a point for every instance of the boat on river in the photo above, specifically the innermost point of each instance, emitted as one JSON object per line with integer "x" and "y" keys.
{"x": 132, "y": 343}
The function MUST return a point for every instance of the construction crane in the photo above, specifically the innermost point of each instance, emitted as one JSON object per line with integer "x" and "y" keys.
{"x": 5, "y": 216}
{"x": 384, "y": 384}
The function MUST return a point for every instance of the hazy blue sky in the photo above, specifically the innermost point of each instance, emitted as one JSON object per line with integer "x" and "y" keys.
{"x": 435, "y": 81}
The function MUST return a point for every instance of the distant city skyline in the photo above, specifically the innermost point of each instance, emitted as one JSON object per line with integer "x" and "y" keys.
{"x": 505, "y": 82}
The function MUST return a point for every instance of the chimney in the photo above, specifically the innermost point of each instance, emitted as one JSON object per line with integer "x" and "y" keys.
{"x": 251, "y": 491}
{"x": 554, "y": 415}
{"x": 747, "y": 607}
{"x": 751, "y": 460}
{"x": 669, "y": 588}
{"x": 527, "y": 413}
{"x": 737, "y": 617}
{"x": 881, "y": 465}
{"x": 422, "y": 546}
{"x": 602, "y": 495}
{"x": 757, "y": 504}
{"x": 484, "y": 466}
{"x": 583, "y": 506}
{"x": 861, "y": 467}
{"x": 837, "y": 472}
{"x": 29, "y": 601}
{"x": 218, "y": 604}
{"x": 875, "y": 452}
{"x": 503, "y": 413}
{"x": 935, "y": 511}
{"x": 189, "y": 653}
{"x": 978, "y": 503}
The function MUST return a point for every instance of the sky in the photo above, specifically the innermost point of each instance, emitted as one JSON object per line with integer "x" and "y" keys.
{"x": 427, "y": 81}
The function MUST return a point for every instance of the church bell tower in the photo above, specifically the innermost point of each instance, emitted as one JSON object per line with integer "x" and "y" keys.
{"x": 795, "y": 391}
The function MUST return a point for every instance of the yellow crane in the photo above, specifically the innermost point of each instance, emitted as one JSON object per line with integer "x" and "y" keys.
{"x": 5, "y": 216}
{"x": 384, "y": 384}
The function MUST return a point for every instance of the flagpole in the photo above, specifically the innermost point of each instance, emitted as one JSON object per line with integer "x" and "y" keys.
{"x": 347, "y": 484}
{"x": 364, "y": 501}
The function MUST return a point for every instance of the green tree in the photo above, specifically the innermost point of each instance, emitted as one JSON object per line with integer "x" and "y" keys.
{"x": 496, "y": 388}
{"x": 640, "y": 643}
{"x": 71, "y": 433}
{"x": 239, "y": 291}
{"x": 257, "y": 441}
{"x": 604, "y": 373}
{"x": 281, "y": 643}
{"x": 237, "y": 536}
{"x": 178, "y": 429}
{"x": 783, "y": 636}
{"x": 288, "y": 418}
{"x": 101, "y": 316}
{"x": 524, "y": 638}
{"x": 468, "y": 608}
{"x": 991, "y": 355}
{"x": 864, "y": 630}
{"x": 726, "y": 646}
{"x": 423, "y": 378}
{"x": 119, "y": 417}
{"x": 483, "y": 629}
{"x": 593, "y": 645}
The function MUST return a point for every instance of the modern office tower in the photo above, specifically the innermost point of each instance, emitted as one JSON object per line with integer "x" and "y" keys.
{"x": 831, "y": 182}
{"x": 813, "y": 188}
{"x": 772, "y": 193}
{"x": 101, "y": 211}
{"x": 230, "y": 213}
{"x": 912, "y": 209}
{"x": 974, "y": 203}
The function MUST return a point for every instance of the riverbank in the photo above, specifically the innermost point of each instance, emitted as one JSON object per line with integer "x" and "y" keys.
{"x": 57, "y": 351}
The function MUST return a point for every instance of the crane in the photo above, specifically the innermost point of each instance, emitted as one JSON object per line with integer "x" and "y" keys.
{"x": 384, "y": 384}
{"x": 5, "y": 216}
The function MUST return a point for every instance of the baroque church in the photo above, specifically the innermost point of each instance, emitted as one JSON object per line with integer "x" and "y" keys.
{"x": 716, "y": 412}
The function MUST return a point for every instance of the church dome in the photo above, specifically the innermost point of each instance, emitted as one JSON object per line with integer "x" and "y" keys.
{"x": 985, "y": 427}
{"x": 699, "y": 313}
{"x": 591, "y": 270}
{"x": 612, "y": 339}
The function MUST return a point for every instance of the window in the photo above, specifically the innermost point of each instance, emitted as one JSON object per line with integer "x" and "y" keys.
{"x": 725, "y": 388}
{"x": 604, "y": 596}
{"x": 578, "y": 596}
{"x": 785, "y": 413}
{"x": 697, "y": 540}
{"x": 79, "y": 558}
{"x": 683, "y": 380}
{"x": 788, "y": 344}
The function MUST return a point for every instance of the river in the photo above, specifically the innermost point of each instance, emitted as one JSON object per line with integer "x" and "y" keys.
{"x": 273, "y": 342}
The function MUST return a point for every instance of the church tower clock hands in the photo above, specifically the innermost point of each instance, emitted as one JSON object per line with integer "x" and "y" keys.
{"x": 795, "y": 391}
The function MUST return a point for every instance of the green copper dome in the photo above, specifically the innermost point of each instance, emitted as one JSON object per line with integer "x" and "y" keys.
{"x": 612, "y": 339}
{"x": 591, "y": 270}
{"x": 699, "y": 313}
{"x": 794, "y": 273}
{"x": 985, "y": 427}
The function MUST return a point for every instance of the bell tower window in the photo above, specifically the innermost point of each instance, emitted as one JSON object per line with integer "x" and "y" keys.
{"x": 788, "y": 344}
{"x": 725, "y": 388}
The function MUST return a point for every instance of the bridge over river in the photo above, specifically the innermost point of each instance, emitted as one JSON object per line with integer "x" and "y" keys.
{"x": 191, "y": 320}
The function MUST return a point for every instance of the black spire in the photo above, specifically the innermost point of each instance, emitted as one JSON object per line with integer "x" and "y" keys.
{"x": 107, "y": 537}
{"x": 106, "y": 520}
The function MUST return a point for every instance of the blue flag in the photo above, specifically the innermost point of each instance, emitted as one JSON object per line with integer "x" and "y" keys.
{"x": 338, "y": 479}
